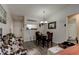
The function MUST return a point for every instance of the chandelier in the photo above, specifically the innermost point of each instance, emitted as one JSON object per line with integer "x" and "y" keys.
{"x": 44, "y": 19}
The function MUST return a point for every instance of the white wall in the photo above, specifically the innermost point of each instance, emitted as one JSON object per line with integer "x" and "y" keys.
{"x": 7, "y": 28}
{"x": 18, "y": 28}
{"x": 60, "y": 34}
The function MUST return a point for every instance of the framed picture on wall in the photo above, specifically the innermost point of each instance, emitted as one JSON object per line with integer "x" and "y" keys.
{"x": 2, "y": 15}
{"x": 52, "y": 25}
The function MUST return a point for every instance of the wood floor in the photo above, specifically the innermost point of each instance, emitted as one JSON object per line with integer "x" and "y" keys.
{"x": 34, "y": 49}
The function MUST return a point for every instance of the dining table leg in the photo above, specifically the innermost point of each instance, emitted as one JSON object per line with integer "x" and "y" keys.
{"x": 43, "y": 43}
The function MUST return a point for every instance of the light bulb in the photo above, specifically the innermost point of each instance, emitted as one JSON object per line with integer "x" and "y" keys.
{"x": 41, "y": 22}
{"x": 45, "y": 22}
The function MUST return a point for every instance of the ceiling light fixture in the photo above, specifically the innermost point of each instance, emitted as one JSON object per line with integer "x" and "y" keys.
{"x": 44, "y": 19}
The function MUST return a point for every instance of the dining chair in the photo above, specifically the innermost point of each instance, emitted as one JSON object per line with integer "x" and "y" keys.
{"x": 37, "y": 37}
{"x": 49, "y": 39}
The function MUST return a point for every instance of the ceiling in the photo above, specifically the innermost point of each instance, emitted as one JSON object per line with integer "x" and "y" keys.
{"x": 35, "y": 10}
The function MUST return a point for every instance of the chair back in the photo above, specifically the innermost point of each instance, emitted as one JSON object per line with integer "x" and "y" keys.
{"x": 37, "y": 35}
{"x": 50, "y": 36}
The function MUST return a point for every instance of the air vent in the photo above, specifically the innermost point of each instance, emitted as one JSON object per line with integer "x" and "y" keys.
{"x": 31, "y": 20}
